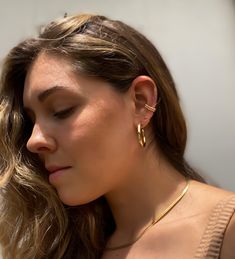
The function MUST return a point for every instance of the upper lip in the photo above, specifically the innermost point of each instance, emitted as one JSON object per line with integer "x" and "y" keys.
{"x": 53, "y": 169}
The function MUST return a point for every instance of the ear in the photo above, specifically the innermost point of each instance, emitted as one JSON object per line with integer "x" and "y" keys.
{"x": 143, "y": 91}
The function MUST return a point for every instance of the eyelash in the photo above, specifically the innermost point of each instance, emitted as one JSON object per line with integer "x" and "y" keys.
{"x": 64, "y": 113}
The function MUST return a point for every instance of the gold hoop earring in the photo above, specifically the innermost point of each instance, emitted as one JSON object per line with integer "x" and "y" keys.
{"x": 141, "y": 136}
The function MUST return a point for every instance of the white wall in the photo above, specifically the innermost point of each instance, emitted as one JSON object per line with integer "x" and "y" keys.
{"x": 196, "y": 38}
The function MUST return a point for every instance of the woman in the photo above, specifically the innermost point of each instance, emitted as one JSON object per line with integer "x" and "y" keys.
{"x": 92, "y": 152}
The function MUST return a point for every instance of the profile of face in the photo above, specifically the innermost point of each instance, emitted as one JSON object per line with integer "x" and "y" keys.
{"x": 83, "y": 129}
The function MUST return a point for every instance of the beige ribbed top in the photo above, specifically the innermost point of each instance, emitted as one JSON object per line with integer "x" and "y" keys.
{"x": 212, "y": 239}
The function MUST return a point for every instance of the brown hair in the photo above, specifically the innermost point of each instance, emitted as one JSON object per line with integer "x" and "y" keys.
{"x": 33, "y": 221}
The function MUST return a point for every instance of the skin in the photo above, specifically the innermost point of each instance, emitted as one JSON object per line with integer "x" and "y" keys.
{"x": 97, "y": 140}
{"x": 87, "y": 139}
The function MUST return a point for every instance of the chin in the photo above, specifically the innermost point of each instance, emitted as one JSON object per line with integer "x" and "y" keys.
{"x": 74, "y": 200}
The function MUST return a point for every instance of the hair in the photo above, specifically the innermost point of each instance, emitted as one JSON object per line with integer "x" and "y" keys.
{"x": 33, "y": 221}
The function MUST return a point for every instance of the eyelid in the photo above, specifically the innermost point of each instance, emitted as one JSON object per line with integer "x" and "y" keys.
{"x": 64, "y": 113}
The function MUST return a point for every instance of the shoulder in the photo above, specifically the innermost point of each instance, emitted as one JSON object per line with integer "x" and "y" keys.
{"x": 204, "y": 202}
{"x": 211, "y": 194}
{"x": 205, "y": 196}
{"x": 220, "y": 222}
{"x": 211, "y": 200}
{"x": 228, "y": 248}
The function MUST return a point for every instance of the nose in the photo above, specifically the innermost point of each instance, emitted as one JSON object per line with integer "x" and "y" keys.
{"x": 40, "y": 142}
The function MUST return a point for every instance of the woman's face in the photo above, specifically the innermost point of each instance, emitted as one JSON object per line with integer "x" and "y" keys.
{"x": 83, "y": 129}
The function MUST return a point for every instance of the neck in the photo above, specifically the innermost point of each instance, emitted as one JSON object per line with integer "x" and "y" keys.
{"x": 150, "y": 188}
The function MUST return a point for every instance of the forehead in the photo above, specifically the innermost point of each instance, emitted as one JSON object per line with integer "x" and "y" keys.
{"x": 47, "y": 71}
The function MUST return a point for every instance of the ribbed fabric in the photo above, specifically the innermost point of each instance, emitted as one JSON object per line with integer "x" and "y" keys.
{"x": 212, "y": 239}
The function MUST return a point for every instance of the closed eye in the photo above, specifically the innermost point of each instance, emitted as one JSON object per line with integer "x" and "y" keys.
{"x": 64, "y": 113}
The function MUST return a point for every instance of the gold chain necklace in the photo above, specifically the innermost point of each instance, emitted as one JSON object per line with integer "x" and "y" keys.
{"x": 161, "y": 215}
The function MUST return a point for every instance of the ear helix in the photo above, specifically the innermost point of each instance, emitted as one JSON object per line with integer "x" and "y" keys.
{"x": 140, "y": 131}
{"x": 152, "y": 108}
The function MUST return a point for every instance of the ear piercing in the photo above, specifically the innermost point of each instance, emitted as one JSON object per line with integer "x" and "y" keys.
{"x": 141, "y": 135}
{"x": 140, "y": 130}
{"x": 150, "y": 108}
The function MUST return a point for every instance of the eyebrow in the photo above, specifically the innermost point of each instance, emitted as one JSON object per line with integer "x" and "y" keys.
{"x": 46, "y": 93}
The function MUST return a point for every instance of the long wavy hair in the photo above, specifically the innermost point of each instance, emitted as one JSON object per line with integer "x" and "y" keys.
{"x": 33, "y": 221}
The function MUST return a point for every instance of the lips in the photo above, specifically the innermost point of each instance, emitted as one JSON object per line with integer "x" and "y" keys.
{"x": 54, "y": 169}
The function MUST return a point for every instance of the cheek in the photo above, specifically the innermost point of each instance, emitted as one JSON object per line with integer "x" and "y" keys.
{"x": 103, "y": 134}
{"x": 100, "y": 144}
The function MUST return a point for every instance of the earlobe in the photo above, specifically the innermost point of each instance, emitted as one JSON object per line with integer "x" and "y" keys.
{"x": 144, "y": 94}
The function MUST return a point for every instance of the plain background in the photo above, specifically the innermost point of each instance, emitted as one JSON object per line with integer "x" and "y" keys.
{"x": 197, "y": 40}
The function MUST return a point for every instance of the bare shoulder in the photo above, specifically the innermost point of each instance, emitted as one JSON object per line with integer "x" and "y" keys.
{"x": 208, "y": 195}
{"x": 203, "y": 198}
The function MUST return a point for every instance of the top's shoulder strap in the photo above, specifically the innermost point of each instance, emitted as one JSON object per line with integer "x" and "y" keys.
{"x": 213, "y": 235}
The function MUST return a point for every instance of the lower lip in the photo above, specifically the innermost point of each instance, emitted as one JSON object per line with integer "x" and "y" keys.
{"x": 56, "y": 175}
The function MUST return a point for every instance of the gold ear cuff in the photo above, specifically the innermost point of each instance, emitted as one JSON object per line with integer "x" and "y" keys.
{"x": 150, "y": 108}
